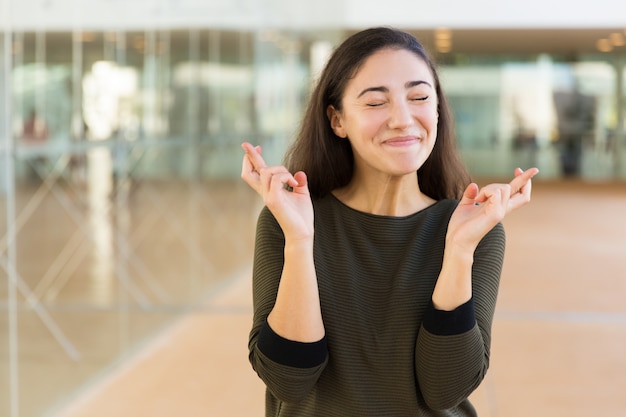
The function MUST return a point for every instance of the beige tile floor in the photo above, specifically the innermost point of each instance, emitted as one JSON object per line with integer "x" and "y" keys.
{"x": 107, "y": 274}
{"x": 559, "y": 338}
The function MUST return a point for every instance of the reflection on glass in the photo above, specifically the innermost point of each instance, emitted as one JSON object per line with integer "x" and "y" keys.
{"x": 99, "y": 183}
{"x": 554, "y": 114}
{"x": 108, "y": 94}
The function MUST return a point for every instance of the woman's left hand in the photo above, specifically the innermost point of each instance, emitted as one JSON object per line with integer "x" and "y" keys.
{"x": 481, "y": 209}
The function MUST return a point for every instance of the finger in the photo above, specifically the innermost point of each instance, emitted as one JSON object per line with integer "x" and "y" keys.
{"x": 521, "y": 188}
{"x": 470, "y": 193}
{"x": 277, "y": 178}
{"x": 254, "y": 153}
{"x": 494, "y": 194}
{"x": 253, "y": 180}
{"x": 498, "y": 201}
{"x": 522, "y": 180}
{"x": 246, "y": 167}
{"x": 248, "y": 174}
{"x": 301, "y": 183}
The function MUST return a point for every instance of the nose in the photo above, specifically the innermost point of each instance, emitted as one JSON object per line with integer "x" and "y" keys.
{"x": 400, "y": 116}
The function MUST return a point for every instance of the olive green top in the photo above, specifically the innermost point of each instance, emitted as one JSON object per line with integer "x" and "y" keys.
{"x": 387, "y": 350}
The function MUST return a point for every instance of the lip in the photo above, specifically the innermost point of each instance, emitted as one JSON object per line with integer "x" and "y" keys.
{"x": 400, "y": 141}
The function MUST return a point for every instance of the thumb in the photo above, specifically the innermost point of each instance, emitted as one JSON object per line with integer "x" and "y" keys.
{"x": 302, "y": 182}
{"x": 470, "y": 193}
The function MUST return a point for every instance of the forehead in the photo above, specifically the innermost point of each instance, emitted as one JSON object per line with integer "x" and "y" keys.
{"x": 387, "y": 67}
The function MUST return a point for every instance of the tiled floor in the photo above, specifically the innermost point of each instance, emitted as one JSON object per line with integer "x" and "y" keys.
{"x": 99, "y": 273}
{"x": 559, "y": 337}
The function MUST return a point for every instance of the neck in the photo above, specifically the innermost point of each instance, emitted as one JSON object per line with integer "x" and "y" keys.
{"x": 391, "y": 196}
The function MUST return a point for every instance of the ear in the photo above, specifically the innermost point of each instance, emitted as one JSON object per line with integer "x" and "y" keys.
{"x": 335, "y": 121}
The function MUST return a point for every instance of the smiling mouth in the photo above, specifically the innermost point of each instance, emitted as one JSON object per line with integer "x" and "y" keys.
{"x": 402, "y": 141}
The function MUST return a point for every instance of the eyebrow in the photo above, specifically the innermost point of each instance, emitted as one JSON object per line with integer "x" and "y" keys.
{"x": 382, "y": 89}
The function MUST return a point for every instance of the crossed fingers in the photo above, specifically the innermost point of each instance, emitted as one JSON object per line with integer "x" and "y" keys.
{"x": 261, "y": 177}
{"x": 521, "y": 187}
{"x": 512, "y": 195}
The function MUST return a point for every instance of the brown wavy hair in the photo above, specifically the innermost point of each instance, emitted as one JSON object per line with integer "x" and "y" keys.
{"x": 328, "y": 160}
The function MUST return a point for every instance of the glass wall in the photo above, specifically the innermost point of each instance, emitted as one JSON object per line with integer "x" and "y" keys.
{"x": 121, "y": 205}
{"x": 555, "y": 113}
{"x": 120, "y": 200}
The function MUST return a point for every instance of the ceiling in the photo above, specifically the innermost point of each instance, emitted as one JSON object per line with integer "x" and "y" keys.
{"x": 235, "y": 46}
{"x": 525, "y": 41}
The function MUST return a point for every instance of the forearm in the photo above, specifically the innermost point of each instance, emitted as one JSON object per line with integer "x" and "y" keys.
{"x": 452, "y": 352}
{"x": 297, "y": 313}
{"x": 289, "y": 368}
{"x": 454, "y": 284}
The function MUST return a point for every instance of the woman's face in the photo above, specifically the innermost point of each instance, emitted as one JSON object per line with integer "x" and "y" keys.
{"x": 389, "y": 113}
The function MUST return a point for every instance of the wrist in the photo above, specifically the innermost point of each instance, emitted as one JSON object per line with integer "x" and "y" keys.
{"x": 301, "y": 243}
{"x": 460, "y": 248}
{"x": 454, "y": 284}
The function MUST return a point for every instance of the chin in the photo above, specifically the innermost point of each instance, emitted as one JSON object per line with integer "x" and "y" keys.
{"x": 409, "y": 166}
{"x": 403, "y": 171}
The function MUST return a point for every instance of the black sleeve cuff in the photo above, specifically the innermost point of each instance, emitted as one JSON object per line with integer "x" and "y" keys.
{"x": 289, "y": 352}
{"x": 448, "y": 323}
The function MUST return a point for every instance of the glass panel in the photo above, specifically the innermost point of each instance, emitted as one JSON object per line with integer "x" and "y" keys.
{"x": 586, "y": 112}
{"x": 558, "y": 115}
{"x": 128, "y": 158}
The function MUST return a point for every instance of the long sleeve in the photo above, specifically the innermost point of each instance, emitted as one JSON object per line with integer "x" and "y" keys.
{"x": 452, "y": 351}
{"x": 289, "y": 369}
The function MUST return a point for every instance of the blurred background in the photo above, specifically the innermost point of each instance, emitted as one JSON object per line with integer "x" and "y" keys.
{"x": 121, "y": 207}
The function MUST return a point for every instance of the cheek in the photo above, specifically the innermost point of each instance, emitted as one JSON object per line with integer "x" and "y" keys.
{"x": 367, "y": 124}
{"x": 430, "y": 119}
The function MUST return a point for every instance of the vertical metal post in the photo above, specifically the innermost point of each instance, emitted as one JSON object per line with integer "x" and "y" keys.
{"x": 77, "y": 126}
{"x": 193, "y": 99}
{"x": 121, "y": 178}
{"x": 215, "y": 93}
{"x": 618, "y": 148}
{"x": 40, "y": 62}
{"x": 149, "y": 87}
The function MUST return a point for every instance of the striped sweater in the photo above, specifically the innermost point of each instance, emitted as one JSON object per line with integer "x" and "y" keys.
{"x": 387, "y": 351}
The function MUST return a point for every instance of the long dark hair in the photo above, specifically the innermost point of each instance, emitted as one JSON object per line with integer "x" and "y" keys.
{"x": 328, "y": 160}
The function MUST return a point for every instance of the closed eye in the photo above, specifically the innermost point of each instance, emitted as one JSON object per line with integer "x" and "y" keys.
{"x": 424, "y": 98}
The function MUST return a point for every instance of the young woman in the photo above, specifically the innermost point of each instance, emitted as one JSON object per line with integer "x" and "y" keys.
{"x": 377, "y": 261}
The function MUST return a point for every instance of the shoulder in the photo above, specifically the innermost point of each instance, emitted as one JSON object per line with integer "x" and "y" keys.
{"x": 445, "y": 206}
{"x": 440, "y": 212}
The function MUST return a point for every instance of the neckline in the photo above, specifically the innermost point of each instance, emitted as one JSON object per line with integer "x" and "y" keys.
{"x": 382, "y": 216}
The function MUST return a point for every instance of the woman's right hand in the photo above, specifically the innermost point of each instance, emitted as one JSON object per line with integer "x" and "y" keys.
{"x": 286, "y": 195}
{"x": 481, "y": 209}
